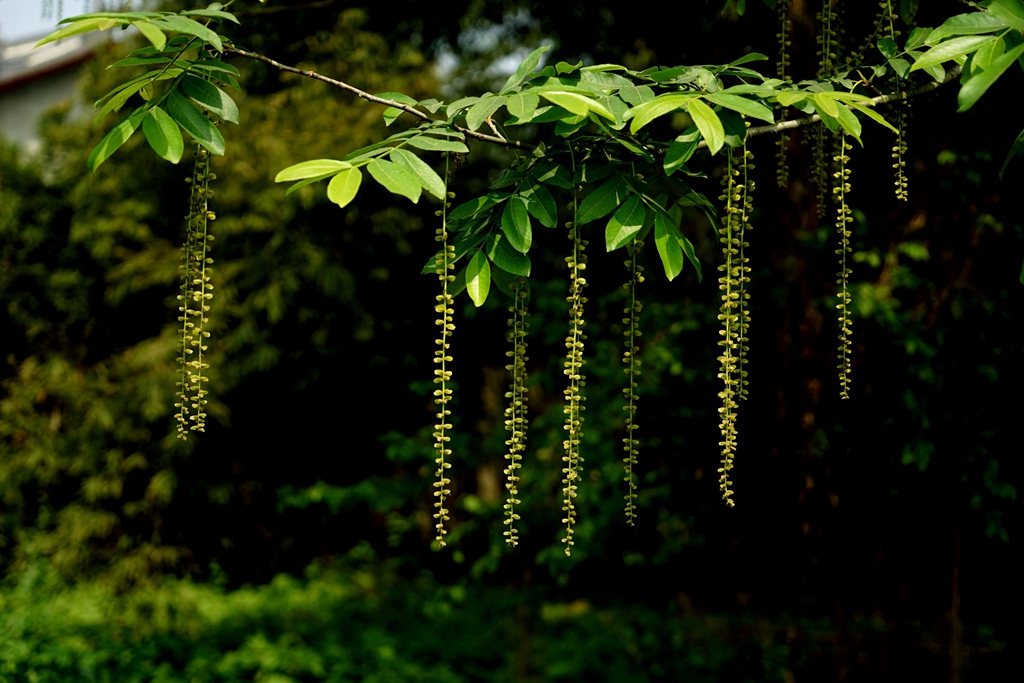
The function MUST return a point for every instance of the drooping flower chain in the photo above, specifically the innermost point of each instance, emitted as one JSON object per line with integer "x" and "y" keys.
{"x": 826, "y": 53}
{"x": 743, "y": 308}
{"x": 574, "y": 362}
{"x": 843, "y": 218}
{"x": 899, "y": 150}
{"x": 782, "y": 68}
{"x": 878, "y": 27}
{"x": 515, "y": 414}
{"x": 444, "y": 263}
{"x": 632, "y": 370}
{"x": 729, "y": 285}
{"x": 196, "y": 292}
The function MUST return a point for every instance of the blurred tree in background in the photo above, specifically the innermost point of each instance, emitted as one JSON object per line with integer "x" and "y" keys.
{"x": 291, "y": 542}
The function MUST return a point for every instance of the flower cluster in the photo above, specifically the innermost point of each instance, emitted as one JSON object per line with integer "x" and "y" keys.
{"x": 574, "y": 362}
{"x": 743, "y": 307}
{"x": 444, "y": 262}
{"x": 828, "y": 46}
{"x": 843, "y": 218}
{"x": 729, "y": 284}
{"x": 194, "y": 301}
{"x": 632, "y": 370}
{"x": 515, "y": 414}
{"x": 782, "y": 70}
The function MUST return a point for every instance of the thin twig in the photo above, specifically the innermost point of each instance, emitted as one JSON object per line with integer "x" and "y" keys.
{"x": 371, "y": 98}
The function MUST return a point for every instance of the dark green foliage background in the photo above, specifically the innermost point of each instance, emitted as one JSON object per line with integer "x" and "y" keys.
{"x": 872, "y": 540}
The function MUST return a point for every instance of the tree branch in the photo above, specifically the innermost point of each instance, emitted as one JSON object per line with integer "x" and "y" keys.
{"x": 371, "y": 98}
{"x": 951, "y": 75}
{"x": 792, "y": 124}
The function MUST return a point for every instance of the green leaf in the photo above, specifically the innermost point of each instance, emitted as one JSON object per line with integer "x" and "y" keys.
{"x": 392, "y": 113}
{"x": 478, "y": 278}
{"x": 195, "y": 122}
{"x": 125, "y": 16}
{"x": 552, "y": 174}
{"x": 659, "y": 106}
{"x": 985, "y": 55}
{"x": 117, "y": 101}
{"x": 973, "y": 89}
{"x": 482, "y": 110}
{"x": 965, "y": 24}
{"x": 182, "y": 24}
{"x": 762, "y": 90}
{"x": 602, "y": 201}
{"x": 458, "y": 105}
{"x": 395, "y": 179}
{"x": 917, "y": 38}
{"x": 636, "y": 94}
{"x": 434, "y": 145}
{"x": 155, "y": 60}
{"x": 309, "y": 181}
{"x": 113, "y": 140}
{"x": 788, "y": 97}
{"x": 549, "y": 113}
{"x": 428, "y": 178}
{"x": 873, "y": 115}
{"x": 1017, "y": 149}
{"x": 749, "y": 57}
{"x": 152, "y": 33}
{"x": 476, "y": 206}
{"x": 82, "y": 26}
{"x": 1010, "y": 11}
{"x": 431, "y": 105}
{"x": 625, "y": 223}
{"x": 576, "y": 104}
{"x": 311, "y": 169}
{"x": 523, "y": 106}
{"x": 442, "y": 130}
{"x": 567, "y": 127}
{"x": 951, "y": 49}
{"x": 540, "y": 203}
{"x": 691, "y": 255}
{"x": 668, "y": 246}
{"x": 936, "y": 72}
{"x": 210, "y": 97}
{"x": 591, "y": 171}
{"x": 681, "y": 149}
{"x": 742, "y": 105}
{"x": 887, "y": 46}
{"x": 218, "y": 71}
{"x": 343, "y": 187}
{"x": 849, "y": 122}
{"x": 463, "y": 245}
{"x": 827, "y": 104}
{"x": 141, "y": 81}
{"x": 163, "y": 135}
{"x": 734, "y": 126}
{"x": 515, "y": 223}
{"x": 507, "y": 258}
{"x": 900, "y": 66}
{"x": 212, "y": 14}
{"x": 709, "y": 125}
{"x": 524, "y": 70}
